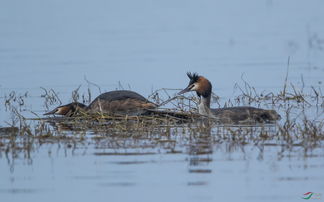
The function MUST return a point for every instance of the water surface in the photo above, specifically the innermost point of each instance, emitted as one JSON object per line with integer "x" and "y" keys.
{"x": 146, "y": 45}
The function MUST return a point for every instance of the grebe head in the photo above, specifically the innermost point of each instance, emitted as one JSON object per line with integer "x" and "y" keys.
{"x": 197, "y": 83}
{"x": 67, "y": 110}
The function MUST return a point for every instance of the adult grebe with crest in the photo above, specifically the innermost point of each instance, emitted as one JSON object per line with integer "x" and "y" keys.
{"x": 232, "y": 115}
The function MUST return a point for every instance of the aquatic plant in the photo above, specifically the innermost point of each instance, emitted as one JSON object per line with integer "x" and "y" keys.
{"x": 301, "y": 109}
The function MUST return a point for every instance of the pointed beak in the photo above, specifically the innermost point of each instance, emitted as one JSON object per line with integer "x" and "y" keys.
{"x": 185, "y": 90}
{"x": 51, "y": 112}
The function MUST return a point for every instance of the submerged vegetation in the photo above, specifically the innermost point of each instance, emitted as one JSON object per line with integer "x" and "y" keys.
{"x": 302, "y": 123}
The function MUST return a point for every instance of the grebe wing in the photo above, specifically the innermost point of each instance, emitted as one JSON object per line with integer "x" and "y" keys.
{"x": 121, "y": 95}
{"x": 238, "y": 114}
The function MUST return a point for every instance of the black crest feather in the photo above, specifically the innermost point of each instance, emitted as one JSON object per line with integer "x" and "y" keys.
{"x": 193, "y": 77}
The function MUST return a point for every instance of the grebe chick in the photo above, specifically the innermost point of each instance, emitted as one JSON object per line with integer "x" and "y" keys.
{"x": 233, "y": 115}
{"x": 121, "y": 102}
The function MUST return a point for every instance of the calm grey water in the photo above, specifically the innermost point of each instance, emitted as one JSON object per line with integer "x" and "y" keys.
{"x": 146, "y": 45}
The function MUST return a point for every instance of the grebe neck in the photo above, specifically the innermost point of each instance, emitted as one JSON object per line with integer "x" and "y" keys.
{"x": 204, "y": 106}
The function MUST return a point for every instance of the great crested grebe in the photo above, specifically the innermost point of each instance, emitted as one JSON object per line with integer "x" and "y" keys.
{"x": 203, "y": 88}
{"x": 121, "y": 102}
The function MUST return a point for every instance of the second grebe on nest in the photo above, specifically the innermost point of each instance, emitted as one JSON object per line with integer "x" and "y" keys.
{"x": 234, "y": 115}
{"x": 120, "y": 102}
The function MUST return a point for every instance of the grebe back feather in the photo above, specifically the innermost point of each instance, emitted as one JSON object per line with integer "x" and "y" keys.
{"x": 113, "y": 102}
